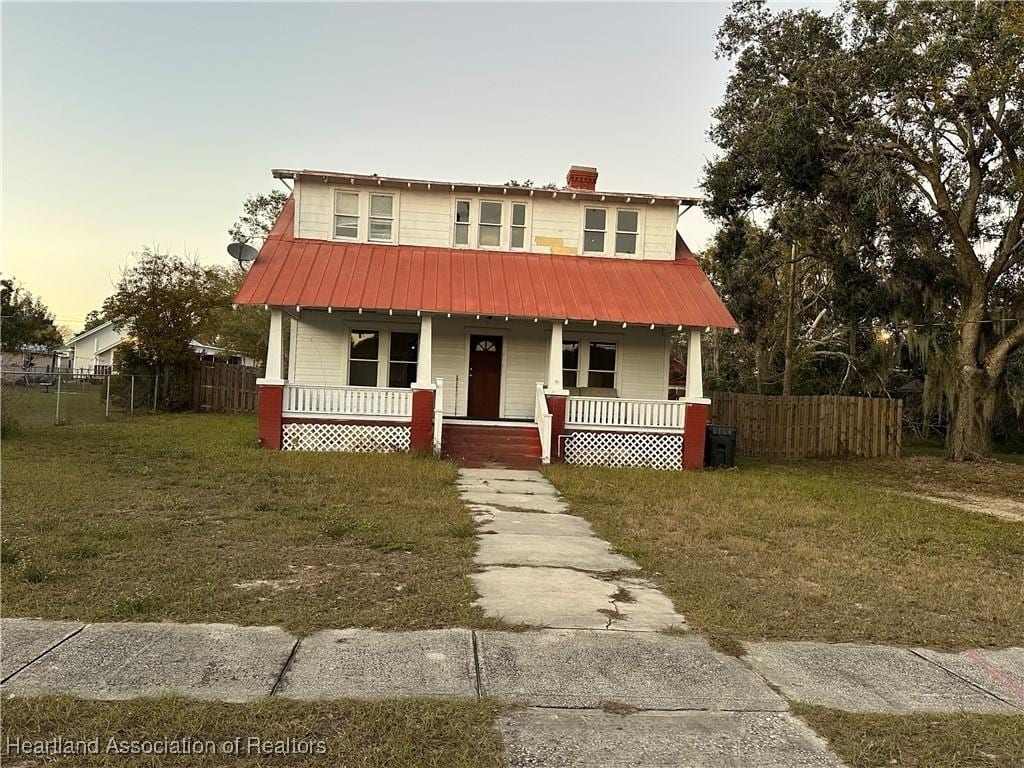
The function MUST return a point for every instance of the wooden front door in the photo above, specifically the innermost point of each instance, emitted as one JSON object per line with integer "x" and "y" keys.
{"x": 484, "y": 377}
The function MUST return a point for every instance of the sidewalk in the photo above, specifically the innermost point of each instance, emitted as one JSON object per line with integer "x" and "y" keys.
{"x": 698, "y": 705}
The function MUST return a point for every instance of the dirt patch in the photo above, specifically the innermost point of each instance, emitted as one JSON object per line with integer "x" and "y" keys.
{"x": 303, "y": 576}
{"x": 996, "y": 506}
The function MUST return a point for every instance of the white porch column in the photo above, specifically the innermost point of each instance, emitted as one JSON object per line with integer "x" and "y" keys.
{"x": 554, "y": 379}
{"x": 425, "y": 353}
{"x": 694, "y": 365}
{"x": 293, "y": 344}
{"x": 275, "y": 349}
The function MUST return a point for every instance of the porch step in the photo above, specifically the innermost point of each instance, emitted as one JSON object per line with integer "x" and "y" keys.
{"x": 474, "y": 445}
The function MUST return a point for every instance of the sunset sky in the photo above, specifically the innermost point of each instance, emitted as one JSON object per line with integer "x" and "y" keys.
{"x": 127, "y": 125}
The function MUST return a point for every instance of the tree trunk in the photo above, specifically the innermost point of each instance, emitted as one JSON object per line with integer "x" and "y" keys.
{"x": 789, "y": 349}
{"x": 970, "y": 434}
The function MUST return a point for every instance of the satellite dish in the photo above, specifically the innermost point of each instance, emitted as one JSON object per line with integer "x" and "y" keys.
{"x": 243, "y": 253}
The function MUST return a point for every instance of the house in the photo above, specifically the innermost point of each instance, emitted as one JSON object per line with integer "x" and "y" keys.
{"x": 92, "y": 351}
{"x": 34, "y": 358}
{"x": 490, "y": 322}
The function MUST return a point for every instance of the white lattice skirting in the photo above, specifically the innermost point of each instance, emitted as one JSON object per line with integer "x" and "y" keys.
{"x": 355, "y": 438}
{"x": 624, "y": 449}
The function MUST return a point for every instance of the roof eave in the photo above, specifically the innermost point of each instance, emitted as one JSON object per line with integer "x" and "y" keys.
{"x": 392, "y": 182}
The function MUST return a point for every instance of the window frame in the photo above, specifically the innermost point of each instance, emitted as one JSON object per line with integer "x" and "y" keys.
{"x": 586, "y": 229}
{"x": 468, "y": 223}
{"x": 391, "y": 361}
{"x": 579, "y": 358}
{"x": 590, "y": 368}
{"x": 352, "y": 330}
{"x": 480, "y": 224}
{"x": 335, "y": 193}
{"x": 363, "y": 218}
{"x": 620, "y": 231}
{"x": 392, "y": 219}
{"x": 512, "y": 226}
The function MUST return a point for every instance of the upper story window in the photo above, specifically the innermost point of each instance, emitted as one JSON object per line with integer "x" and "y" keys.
{"x": 382, "y": 218}
{"x": 627, "y": 227}
{"x": 365, "y": 216}
{"x": 462, "y": 216}
{"x": 490, "y": 224}
{"x": 594, "y": 228}
{"x": 517, "y": 238}
{"x": 346, "y": 215}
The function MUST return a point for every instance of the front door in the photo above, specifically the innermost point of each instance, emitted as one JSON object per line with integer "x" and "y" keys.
{"x": 484, "y": 377}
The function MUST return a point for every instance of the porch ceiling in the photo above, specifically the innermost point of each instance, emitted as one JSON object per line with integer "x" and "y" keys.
{"x": 321, "y": 274}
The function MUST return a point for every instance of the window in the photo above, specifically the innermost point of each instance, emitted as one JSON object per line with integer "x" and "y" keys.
{"x": 382, "y": 217}
{"x": 594, "y": 223}
{"x": 570, "y": 363}
{"x": 402, "y": 362}
{"x": 627, "y": 225}
{"x": 346, "y": 214}
{"x": 518, "y": 236}
{"x": 362, "y": 358}
{"x": 490, "y": 224}
{"x": 601, "y": 369}
{"x": 462, "y": 222}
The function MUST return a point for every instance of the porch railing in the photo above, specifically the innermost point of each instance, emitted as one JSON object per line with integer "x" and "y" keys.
{"x": 438, "y": 415}
{"x": 326, "y": 402}
{"x": 542, "y": 416}
{"x": 626, "y": 414}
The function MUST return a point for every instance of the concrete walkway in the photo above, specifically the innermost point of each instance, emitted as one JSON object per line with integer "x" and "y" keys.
{"x": 545, "y": 568}
{"x": 697, "y": 706}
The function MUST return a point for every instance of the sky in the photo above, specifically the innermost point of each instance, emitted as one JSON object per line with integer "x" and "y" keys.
{"x": 131, "y": 125}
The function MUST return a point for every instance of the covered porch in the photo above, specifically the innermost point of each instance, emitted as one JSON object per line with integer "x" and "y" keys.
{"x": 587, "y": 393}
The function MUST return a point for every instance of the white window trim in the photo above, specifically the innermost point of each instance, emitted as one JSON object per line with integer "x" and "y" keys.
{"x": 615, "y": 243}
{"x": 393, "y": 218}
{"x": 506, "y": 211}
{"x": 611, "y": 226}
{"x": 584, "y": 230}
{"x": 364, "y": 214}
{"x": 584, "y": 339}
{"x": 468, "y": 224}
{"x": 585, "y": 365}
{"x": 505, "y": 242}
{"x": 525, "y": 226}
{"x": 384, "y": 332}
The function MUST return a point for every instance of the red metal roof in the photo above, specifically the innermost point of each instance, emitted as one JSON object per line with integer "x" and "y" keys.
{"x": 318, "y": 274}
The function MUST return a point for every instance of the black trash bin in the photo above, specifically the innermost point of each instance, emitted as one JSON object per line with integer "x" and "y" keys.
{"x": 720, "y": 446}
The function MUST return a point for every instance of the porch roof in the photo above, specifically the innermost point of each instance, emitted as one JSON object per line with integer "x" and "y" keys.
{"x": 320, "y": 274}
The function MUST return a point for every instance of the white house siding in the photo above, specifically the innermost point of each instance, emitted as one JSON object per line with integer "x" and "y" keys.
{"x": 554, "y": 225}
{"x": 87, "y": 352}
{"x": 660, "y": 224}
{"x": 425, "y": 218}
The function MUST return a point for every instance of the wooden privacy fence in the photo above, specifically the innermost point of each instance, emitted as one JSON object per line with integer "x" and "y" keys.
{"x": 801, "y": 426}
{"x": 223, "y": 387}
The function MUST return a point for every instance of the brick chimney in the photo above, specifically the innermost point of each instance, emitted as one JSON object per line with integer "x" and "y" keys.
{"x": 581, "y": 177}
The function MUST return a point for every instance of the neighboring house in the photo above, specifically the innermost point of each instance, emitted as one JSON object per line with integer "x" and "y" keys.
{"x": 92, "y": 351}
{"x": 34, "y": 358}
{"x": 491, "y": 322}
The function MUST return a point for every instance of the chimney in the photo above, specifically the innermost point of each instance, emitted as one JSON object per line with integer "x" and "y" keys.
{"x": 581, "y": 177}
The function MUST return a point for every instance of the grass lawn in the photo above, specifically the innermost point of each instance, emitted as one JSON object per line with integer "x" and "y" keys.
{"x": 921, "y": 741}
{"x": 354, "y": 734}
{"x": 183, "y": 518}
{"x": 813, "y": 550}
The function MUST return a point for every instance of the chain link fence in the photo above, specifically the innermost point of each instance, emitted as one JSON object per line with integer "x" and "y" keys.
{"x": 33, "y": 400}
